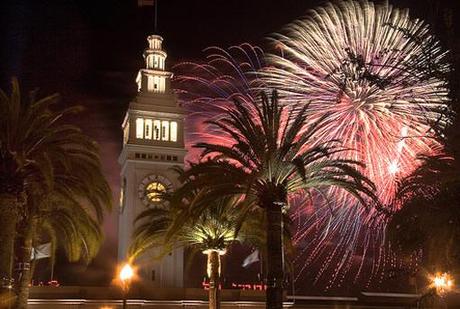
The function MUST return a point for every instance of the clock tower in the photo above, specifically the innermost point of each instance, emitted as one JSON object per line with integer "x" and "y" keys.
{"x": 153, "y": 142}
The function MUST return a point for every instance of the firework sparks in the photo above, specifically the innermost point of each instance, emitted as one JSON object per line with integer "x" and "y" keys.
{"x": 377, "y": 77}
{"x": 206, "y": 89}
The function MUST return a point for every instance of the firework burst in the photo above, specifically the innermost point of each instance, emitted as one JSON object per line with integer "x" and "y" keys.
{"x": 206, "y": 89}
{"x": 378, "y": 77}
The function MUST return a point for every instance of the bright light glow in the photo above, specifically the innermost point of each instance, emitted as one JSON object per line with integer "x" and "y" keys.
{"x": 393, "y": 168}
{"x": 160, "y": 129}
{"x": 443, "y": 283}
{"x": 126, "y": 273}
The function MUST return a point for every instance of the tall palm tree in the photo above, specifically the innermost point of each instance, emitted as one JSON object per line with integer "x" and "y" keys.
{"x": 211, "y": 232}
{"x": 41, "y": 158}
{"x": 429, "y": 218}
{"x": 70, "y": 210}
{"x": 65, "y": 225}
{"x": 26, "y": 140}
{"x": 266, "y": 159}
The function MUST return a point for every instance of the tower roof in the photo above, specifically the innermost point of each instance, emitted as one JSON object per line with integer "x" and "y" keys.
{"x": 155, "y": 41}
{"x": 153, "y": 78}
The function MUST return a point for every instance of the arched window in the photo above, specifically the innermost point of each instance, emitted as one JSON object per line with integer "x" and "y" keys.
{"x": 173, "y": 131}
{"x": 150, "y": 83}
{"x": 148, "y": 129}
{"x": 150, "y": 61}
{"x": 139, "y": 128}
{"x": 156, "y": 129}
{"x": 165, "y": 130}
{"x": 156, "y": 84}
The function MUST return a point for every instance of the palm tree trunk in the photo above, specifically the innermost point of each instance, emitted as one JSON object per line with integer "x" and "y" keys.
{"x": 214, "y": 274}
{"x": 275, "y": 267}
{"x": 25, "y": 273}
{"x": 8, "y": 219}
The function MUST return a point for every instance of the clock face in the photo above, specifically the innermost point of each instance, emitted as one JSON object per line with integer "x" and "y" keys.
{"x": 153, "y": 191}
{"x": 151, "y": 187}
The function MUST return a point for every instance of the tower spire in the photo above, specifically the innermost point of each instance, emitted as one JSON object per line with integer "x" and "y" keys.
{"x": 154, "y": 78}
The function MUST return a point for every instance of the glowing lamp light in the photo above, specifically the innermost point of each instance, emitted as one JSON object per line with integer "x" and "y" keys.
{"x": 125, "y": 276}
{"x": 126, "y": 273}
{"x": 443, "y": 283}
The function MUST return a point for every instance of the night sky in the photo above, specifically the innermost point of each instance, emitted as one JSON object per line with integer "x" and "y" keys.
{"x": 90, "y": 51}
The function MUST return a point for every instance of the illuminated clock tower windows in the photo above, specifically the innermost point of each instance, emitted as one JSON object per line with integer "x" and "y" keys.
{"x": 153, "y": 145}
{"x": 164, "y": 130}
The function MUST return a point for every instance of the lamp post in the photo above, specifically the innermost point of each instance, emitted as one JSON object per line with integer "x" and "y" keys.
{"x": 125, "y": 276}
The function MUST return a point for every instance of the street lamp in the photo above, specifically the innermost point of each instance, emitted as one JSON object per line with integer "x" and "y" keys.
{"x": 442, "y": 283}
{"x": 125, "y": 276}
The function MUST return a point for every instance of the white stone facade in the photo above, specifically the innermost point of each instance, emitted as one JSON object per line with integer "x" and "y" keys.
{"x": 153, "y": 142}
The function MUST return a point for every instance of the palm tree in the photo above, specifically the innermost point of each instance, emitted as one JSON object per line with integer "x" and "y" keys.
{"x": 65, "y": 225}
{"x": 66, "y": 222}
{"x": 429, "y": 218}
{"x": 70, "y": 213}
{"x": 170, "y": 225}
{"x": 43, "y": 159}
{"x": 266, "y": 159}
{"x": 26, "y": 140}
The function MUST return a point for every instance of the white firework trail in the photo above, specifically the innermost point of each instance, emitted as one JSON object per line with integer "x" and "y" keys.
{"x": 378, "y": 76}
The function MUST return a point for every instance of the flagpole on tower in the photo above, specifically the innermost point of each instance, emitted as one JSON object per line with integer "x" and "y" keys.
{"x": 154, "y": 4}
{"x": 156, "y": 17}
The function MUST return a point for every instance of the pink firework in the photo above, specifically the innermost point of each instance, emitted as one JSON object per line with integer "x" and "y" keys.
{"x": 206, "y": 88}
{"x": 378, "y": 77}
